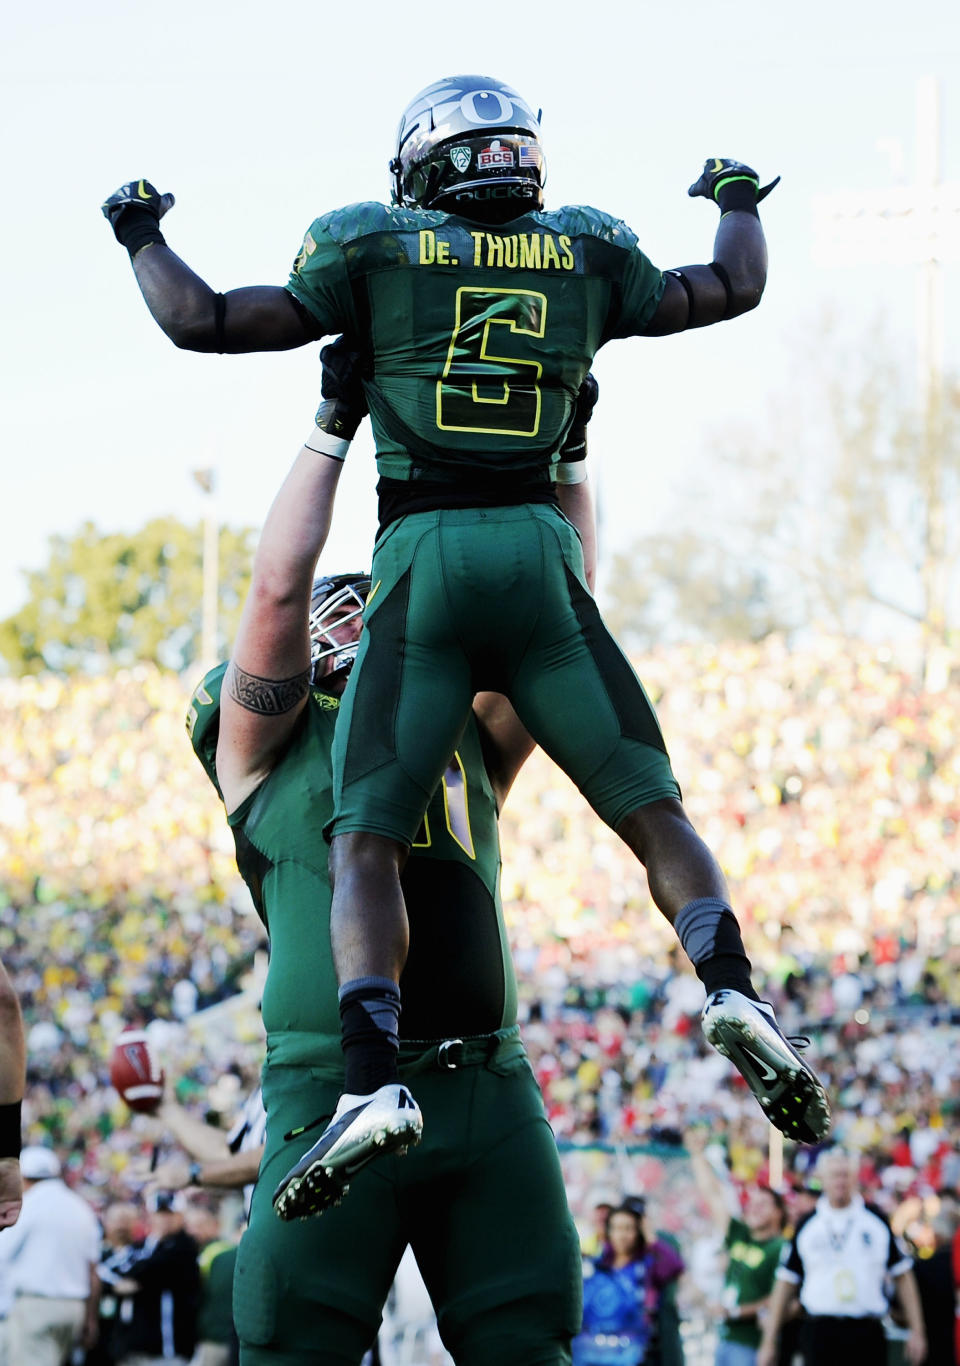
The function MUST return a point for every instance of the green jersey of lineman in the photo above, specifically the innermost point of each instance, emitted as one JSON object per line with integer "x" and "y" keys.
{"x": 458, "y": 942}
{"x": 311, "y": 1292}
{"x": 478, "y": 338}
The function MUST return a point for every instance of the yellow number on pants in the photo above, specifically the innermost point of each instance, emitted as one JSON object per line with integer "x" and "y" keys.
{"x": 456, "y": 810}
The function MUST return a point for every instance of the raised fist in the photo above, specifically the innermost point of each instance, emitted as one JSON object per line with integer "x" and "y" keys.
{"x": 721, "y": 171}
{"x": 136, "y": 194}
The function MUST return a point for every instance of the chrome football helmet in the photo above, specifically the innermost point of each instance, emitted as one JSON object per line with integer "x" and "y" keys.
{"x": 469, "y": 145}
{"x": 333, "y": 602}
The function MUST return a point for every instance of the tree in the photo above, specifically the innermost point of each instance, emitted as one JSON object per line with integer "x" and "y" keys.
{"x": 685, "y": 586}
{"x": 841, "y": 513}
{"x": 110, "y": 600}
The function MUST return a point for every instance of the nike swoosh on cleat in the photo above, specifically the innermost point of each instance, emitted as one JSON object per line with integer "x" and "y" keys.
{"x": 767, "y": 1074}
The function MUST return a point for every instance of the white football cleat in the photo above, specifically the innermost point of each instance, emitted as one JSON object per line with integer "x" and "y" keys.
{"x": 789, "y": 1092}
{"x": 362, "y": 1129}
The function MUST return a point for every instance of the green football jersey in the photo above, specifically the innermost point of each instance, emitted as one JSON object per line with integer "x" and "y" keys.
{"x": 459, "y": 977}
{"x": 751, "y": 1270}
{"x": 478, "y": 337}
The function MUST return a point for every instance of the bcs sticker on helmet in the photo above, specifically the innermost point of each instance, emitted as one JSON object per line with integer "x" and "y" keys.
{"x": 494, "y": 155}
{"x": 460, "y": 156}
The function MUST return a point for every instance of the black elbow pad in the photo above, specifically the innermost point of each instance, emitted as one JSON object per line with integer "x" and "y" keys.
{"x": 724, "y": 279}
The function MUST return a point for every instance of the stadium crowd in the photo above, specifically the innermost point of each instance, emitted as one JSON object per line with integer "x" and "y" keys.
{"x": 826, "y": 777}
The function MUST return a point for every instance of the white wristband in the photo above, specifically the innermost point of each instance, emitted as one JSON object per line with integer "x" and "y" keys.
{"x": 325, "y": 444}
{"x": 570, "y": 472}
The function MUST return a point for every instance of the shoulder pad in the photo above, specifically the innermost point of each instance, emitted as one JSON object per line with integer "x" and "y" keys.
{"x": 579, "y": 220}
{"x": 203, "y": 718}
{"x": 359, "y": 220}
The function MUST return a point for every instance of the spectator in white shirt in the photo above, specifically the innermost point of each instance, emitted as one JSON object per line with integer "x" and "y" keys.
{"x": 50, "y": 1256}
{"x": 839, "y": 1262}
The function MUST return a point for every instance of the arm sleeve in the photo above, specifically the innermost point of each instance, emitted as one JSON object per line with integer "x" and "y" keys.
{"x": 319, "y": 282}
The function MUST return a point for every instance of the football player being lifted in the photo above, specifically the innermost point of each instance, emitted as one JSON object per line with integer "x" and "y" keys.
{"x": 478, "y": 313}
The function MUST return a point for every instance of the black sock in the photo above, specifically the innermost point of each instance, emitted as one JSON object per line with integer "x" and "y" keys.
{"x": 708, "y": 930}
{"x": 369, "y": 1032}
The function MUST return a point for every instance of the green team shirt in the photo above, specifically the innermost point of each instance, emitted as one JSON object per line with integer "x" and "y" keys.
{"x": 751, "y": 1269}
{"x": 215, "y": 1313}
{"x": 478, "y": 337}
{"x": 459, "y": 977}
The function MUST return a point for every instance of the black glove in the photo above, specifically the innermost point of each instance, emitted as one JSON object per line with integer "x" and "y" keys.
{"x": 134, "y": 212}
{"x": 345, "y": 404}
{"x": 730, "y": 184}
{"x": 575, "y": 444}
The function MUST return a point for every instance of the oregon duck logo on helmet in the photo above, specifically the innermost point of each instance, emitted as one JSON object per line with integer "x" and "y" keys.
{"x": 469, "y": 145}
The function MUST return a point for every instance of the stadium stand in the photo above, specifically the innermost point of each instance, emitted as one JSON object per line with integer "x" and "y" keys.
{"x": 826, "y": 777}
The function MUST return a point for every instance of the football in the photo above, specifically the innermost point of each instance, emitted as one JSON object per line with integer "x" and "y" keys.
{"x": 135, "y": 1073}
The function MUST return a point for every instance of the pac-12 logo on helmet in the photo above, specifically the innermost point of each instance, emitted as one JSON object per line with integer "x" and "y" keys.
{"x": 469, "y": 145}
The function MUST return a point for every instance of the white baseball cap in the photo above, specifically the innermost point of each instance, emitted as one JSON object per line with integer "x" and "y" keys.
{"x": 38, "y": 1163}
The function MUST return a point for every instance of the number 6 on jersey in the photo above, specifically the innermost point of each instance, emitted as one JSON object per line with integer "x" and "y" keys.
{"x": 475, "y": 393}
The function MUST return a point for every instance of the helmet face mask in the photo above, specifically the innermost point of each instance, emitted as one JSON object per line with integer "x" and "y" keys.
{"x": 334, "y": 602}
{"x": 469, "y": 145}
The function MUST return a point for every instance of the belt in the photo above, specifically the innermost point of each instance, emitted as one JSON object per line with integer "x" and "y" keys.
{"x": 451, "y": 1054}
{"x": 846, "y": 1318}
{"x": 323, "y": 1052}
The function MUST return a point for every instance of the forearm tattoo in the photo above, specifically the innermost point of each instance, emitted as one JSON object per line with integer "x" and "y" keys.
{"x": 267, "y": 696}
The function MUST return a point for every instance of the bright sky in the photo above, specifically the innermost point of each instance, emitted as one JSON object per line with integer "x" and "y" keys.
{"x": 259, "y": 117}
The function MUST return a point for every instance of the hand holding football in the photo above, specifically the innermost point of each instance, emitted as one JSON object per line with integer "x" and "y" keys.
{"x": 135, "y": 1072}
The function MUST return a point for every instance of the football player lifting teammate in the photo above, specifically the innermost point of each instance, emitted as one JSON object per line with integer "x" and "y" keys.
{"x": 477, "y": 314}
{"x": 310, "y": 1292}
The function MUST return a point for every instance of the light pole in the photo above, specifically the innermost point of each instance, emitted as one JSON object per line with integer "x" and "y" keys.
{"x": 206, "y": 480}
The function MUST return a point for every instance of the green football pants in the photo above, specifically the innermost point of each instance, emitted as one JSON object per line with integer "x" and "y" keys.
{"x": 465, "y": 600}
{"x": 481, "y": 1202}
